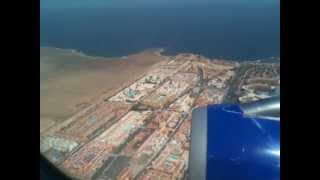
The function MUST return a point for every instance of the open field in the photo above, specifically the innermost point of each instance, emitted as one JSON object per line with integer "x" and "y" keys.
{"x": 71, "y": 81}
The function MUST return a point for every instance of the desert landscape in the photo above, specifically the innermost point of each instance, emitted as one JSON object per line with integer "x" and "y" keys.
{"x": 71, "y": 81}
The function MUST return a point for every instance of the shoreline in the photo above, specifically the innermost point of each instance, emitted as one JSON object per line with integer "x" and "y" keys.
{"x": 163, "y": 52}
{"x": 158, "y": 51}
{"x": 76, "y": 74}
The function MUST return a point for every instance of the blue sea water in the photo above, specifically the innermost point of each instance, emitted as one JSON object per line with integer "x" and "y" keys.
{"x": 239, "y": 31}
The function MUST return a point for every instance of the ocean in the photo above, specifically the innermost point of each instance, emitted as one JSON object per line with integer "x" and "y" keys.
{"x": 247, "y": 31}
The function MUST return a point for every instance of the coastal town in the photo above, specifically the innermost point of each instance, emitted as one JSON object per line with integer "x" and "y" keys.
{"x": 143, "y": 130}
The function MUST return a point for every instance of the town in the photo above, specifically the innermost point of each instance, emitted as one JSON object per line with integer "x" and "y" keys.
{"x": 143, "y": 130}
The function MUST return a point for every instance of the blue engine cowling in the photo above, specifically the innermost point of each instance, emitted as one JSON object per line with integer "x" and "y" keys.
{"x": 231, "y": 141}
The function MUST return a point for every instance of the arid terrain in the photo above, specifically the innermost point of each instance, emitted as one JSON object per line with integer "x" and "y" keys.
{"x": 70, "y": 81}
{"x": 130, "y": 118}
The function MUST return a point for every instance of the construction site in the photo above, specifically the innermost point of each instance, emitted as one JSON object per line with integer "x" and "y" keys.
{"x": 143, "y": 130}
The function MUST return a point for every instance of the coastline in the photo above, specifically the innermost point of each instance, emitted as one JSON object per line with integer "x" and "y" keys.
{"x": 71, "y": 80}
{"x": 92, "y": 101}
{"x": 158, "y": 51}
{"x": 163, "y": 52}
